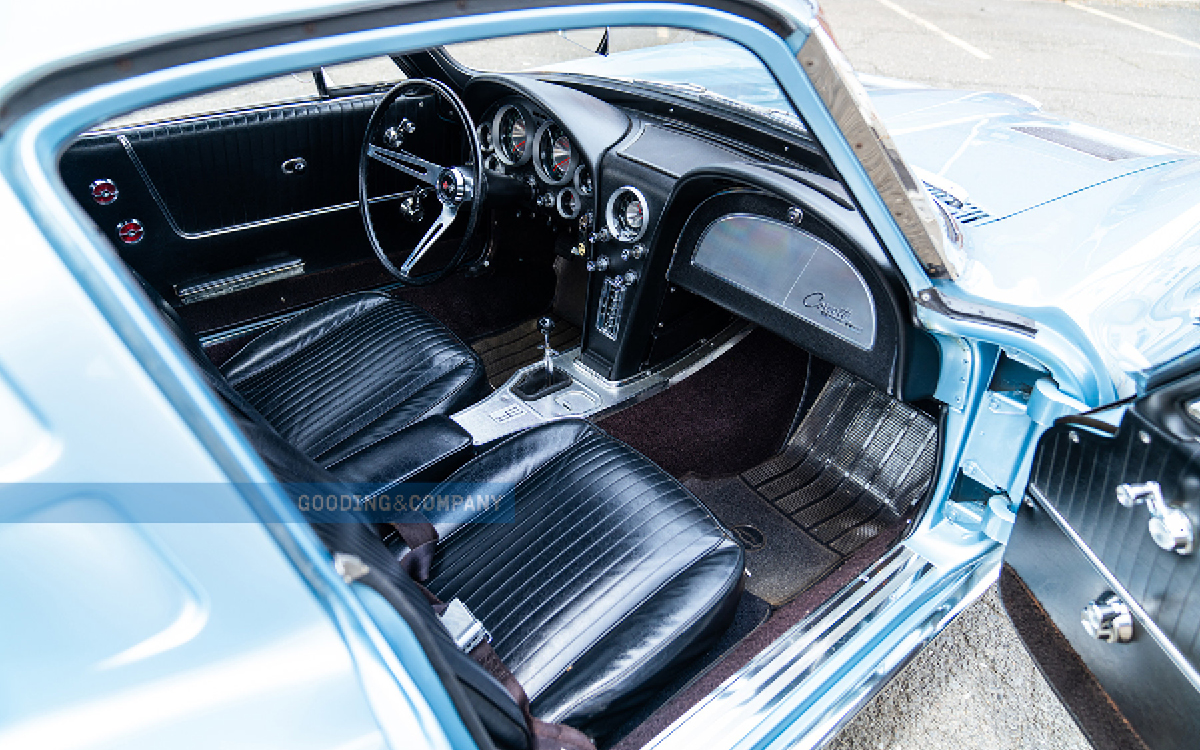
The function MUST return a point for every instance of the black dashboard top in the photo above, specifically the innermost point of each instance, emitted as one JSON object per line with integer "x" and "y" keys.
{"x": 652, "y": 174}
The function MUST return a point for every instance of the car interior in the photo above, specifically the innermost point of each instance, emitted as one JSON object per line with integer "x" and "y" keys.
{"x": 658, "y": 317}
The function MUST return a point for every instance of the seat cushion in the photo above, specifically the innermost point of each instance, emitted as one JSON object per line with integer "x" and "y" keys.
{"x": 350, "y": 372}
{"x": 611, "y": 576}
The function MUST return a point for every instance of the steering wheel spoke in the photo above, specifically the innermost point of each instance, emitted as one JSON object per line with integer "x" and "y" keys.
{"x": 459, "y": 189}
{"x": 410, "y": 164}
{"x": 439, "y": 227}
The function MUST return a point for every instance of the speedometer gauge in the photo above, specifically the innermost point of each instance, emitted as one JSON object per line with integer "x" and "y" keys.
{"x": 553, "y": 156}
{"x": 510, "y": 135}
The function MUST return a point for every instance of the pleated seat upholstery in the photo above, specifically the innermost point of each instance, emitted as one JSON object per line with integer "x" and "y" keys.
{"x": 605, "y": 580}
{"x": 352, "y": 371}
{"x": 610, "y": 575}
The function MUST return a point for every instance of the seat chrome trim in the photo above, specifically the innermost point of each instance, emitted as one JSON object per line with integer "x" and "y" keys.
{"x": 258, "y": 326}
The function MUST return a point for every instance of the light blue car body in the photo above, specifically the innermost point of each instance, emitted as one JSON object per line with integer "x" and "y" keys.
{"x": 124, "y": 632}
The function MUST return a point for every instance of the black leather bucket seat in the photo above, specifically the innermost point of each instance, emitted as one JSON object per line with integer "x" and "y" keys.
{"x": 611, "y": 575}
{"x": 607, "y": 579}
{"x": 354, "y": 370}
{"x": 348, "y": 373}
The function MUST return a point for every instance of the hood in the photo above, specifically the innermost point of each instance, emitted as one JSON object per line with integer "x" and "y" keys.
{"x": 1001, "y": 153}
{"x": 1056, "y": 214}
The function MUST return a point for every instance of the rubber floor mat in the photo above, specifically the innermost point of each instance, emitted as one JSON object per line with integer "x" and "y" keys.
{"x": 509, "y": 351}
{"x": 782, "y": 559}
{"x": 856, "y": 464}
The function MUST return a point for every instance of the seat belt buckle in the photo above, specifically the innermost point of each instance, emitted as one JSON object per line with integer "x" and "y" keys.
{"x": 466, "y": 631}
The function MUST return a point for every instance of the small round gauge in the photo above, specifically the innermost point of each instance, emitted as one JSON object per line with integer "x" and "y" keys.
{"x": 568, "y": 203}
{"x": 511, "y": 135}
{"x": 553, "y": 156}
{"x": 583, "y": 180}
{"x": 485, "y": 137}
{"x": 627, "y": 214}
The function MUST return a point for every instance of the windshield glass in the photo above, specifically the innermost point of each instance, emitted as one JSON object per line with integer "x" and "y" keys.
{"x": 689, "y": 63}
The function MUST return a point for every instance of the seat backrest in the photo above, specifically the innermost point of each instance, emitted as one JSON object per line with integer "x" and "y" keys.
{"x": 350, "y": 532}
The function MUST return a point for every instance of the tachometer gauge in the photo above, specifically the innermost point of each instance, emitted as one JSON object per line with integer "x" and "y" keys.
{"x": 626, "y": 214}
{"x": 510, "y": 135}
{"x": 554, "y": 158}
{"x": 583, "y": 180}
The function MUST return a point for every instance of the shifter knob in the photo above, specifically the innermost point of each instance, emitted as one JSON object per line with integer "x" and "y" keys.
{"x": 545, "y": 325}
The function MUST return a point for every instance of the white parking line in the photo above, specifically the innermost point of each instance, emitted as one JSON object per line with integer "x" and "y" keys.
{"x": 1132, "y": 24}
{"x": 930, "y": 27}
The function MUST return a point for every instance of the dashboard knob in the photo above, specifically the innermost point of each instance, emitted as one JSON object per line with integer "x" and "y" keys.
{"x": 599, "y": 264}
{"x": 631, "y": 278}
{"x": 600, "y": 236}
{"x": 637, "y": 252}
{"x": 545, "y": 200}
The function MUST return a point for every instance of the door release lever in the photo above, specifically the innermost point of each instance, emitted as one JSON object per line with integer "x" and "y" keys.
{"x": 1170, "y": 527}
{"x": 1108, "y": 619}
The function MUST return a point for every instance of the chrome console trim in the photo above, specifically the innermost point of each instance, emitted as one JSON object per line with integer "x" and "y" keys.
{"x": 802, "y": 688}
{"x": 180, "y": 232}
{"x": 590, "y": 395}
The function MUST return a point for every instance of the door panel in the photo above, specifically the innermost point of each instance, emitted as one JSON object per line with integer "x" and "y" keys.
{"x": 215, "y": 199}
{"x": 1075, "y": 542}
{"x": 197, "y": 165}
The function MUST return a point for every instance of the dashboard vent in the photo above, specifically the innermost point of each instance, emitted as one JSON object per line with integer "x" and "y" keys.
{"x": 1080, "y": 142}
{"x": 964, "y": 211}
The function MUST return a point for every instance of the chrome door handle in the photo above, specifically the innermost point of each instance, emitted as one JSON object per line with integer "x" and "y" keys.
{"x": 1107, "y": 618}
{"x": 1170, "y": 527}
{"x": 294, "y": 166}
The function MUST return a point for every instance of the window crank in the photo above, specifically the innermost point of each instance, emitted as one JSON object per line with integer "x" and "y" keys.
{"x": 1170, "y": 527}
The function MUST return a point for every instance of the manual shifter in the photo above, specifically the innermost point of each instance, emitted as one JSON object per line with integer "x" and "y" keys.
{"x": 546, "y": 379}
{"x": 546, "y": 325}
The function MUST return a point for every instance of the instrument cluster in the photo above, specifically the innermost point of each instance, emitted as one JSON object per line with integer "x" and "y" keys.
{"x": 518, "y": 142}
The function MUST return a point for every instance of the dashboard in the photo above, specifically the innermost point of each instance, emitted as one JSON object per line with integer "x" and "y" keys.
{"x": 520, "y": 140}
{"x": 682, "y": 228}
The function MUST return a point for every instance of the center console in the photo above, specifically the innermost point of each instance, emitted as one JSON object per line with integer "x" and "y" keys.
{"x": 588, "y": 394}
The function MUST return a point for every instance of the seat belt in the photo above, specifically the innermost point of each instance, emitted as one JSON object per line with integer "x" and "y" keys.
{"x": 472, "y": 638}
{"x": 546, "y": 736}
{"x": 421, "y": 539}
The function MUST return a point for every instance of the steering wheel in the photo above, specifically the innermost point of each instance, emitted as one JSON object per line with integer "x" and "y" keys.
{"x": 455, "y": 187}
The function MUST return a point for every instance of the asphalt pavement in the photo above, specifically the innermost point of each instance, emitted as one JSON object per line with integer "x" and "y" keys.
{"x": 973, "y": 688}
{"x": 1130, "y": 68}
